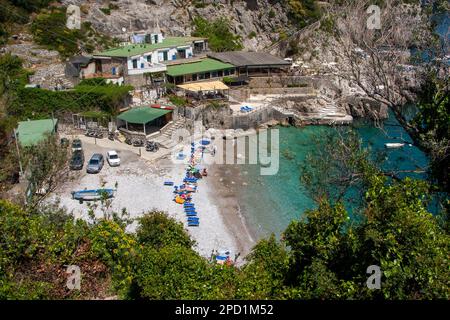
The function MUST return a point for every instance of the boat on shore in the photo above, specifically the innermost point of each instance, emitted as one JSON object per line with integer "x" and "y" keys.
{"x": 93, "y": 195}
{"x": 394, "y": 145}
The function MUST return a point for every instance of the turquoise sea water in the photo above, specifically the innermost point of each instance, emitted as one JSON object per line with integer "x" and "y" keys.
{"x": 269, "y": 203}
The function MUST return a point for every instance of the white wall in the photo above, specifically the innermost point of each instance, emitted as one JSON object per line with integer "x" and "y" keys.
{"x": 157, "y": 57}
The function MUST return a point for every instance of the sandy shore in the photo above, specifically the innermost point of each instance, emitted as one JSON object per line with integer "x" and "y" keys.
{"x": 140, "y": 189}
{"x": 227, "y": 181}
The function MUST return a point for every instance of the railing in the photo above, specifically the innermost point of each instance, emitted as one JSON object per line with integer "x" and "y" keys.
{"x": 107, "y": 75}
{"x": 194, "y": 58}
{"x": 166, "y": 127}
{"x": 154, "y": 67}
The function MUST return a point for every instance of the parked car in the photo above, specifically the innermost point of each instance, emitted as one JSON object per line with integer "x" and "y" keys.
{"x": 76, "y": 145}
{"x": 95, "y": 165}
{"x": 77, "y": 161}
{"x": 113, "y": 158}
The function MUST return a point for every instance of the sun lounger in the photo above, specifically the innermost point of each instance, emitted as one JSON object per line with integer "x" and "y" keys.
{"x": 193, "y": 224}
{"x": 191, "y": 214}
{"x": 168, "y": 183}
{"x": 193, "y": 219}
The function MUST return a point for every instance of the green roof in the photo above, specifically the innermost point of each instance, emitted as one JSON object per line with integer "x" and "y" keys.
{"x": 204, "y": 65}
{"x": 138, "y": 49}
{"x": 31, "y": 132}
{"x": 142, "y": 115}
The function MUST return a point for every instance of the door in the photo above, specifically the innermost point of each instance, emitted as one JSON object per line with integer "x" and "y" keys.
{"x": 182, "y": 53}
{"x": 165, "y": 55}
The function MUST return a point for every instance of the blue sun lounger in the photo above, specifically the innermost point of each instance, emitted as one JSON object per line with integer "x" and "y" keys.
{"x": 168, "y": 183}
{"x": 194, "y": 219}
{"x": 191, "y": 214}
{"x": 193, "y": 224}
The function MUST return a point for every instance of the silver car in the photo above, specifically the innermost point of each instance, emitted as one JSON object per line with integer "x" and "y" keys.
{"x": 95, "y": 165}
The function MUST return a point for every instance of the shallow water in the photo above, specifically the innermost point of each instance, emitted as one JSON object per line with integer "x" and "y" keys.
{"x": 269, "y": 203}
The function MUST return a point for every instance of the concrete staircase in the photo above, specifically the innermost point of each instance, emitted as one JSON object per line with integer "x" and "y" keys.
{"x": 165, "y": 138}
{"x": 329, "y": 114}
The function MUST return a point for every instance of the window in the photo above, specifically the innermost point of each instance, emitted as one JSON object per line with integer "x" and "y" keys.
{"x": 194, "y": 77}
{"x": 135, "y": 63}
{"x": 214, "y": 74}
{"x": 220, "y": 73}
{"x": 207, "y": 75}
{"x": 226, "y": 72}
{"x": 149, "y": 58}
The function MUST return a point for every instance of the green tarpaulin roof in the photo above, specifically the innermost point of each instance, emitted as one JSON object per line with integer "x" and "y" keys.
{"x": 142, "y": 115}
{"x": 138, "y": 49}
{"x": 204, "y": 65}
{"x": 31, "y": 132}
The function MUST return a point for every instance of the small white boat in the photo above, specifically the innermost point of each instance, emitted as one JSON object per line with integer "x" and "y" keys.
{"x": 394, "y": 145}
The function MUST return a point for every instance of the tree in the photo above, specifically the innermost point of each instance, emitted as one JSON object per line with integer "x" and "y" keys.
{"x": 157, "y": 230}
{"x": 378, "y": 61}
{"x": 46, "y": 167}
{"x": 264, "y": 276}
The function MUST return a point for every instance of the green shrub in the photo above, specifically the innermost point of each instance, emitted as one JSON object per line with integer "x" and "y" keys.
{"x": 219, "y": 34}
{"x": 252, "y": 35}
{"x": 227, "y": 80}
{"x": 303, "y": 12}
{"x": 106, "y": 11}
{"x": 271, "y": 14}
{"x": 158, "y": 230}
{"x": 48, "y": 29}
{"x": 40, "y": 103}
{"x": 178, "y": 101}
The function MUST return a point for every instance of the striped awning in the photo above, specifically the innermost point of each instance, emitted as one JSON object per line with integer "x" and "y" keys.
{"x": 204, "y": 86}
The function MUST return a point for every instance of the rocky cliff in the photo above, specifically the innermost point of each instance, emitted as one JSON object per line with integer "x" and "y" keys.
{"x": 258, "y": 22}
